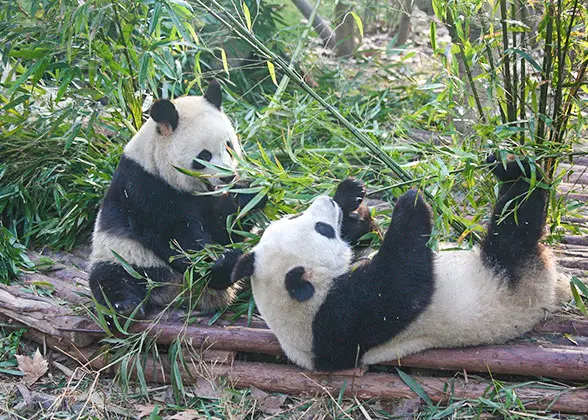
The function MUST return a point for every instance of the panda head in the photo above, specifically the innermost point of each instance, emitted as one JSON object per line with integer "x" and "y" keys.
{"x": 184, "y": 129}
{"x": 298, "y": 256}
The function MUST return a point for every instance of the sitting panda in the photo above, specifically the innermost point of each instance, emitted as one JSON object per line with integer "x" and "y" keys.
{"x": 150, "y": 203}
{"x": 329, "y": 316}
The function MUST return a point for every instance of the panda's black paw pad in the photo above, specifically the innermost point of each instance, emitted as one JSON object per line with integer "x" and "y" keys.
{"x": 349, "y": 195}
{"x": 222, "y": 269}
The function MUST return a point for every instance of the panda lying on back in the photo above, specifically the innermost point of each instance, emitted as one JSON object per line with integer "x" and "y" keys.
{"x": 328, "y": 316}
{"x": 149, "y": 203}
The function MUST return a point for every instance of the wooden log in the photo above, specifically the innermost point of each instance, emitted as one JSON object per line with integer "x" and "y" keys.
{"x": 563, "y": 362}
{"x": 45, "y": 315}
{"x": 563, "y": 325}
{"x": 575, "y": 240}
{"x": 292, "y": 380}
{"x": 251, "y": 340}
{"x": 573, "y": 262}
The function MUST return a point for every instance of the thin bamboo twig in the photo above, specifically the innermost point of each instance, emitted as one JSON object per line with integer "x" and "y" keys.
{"x": 463, "y": 58}
{"x": 523, "y": 65}
{"x": 545, "y": 75}
{"x": 510, "y": 110}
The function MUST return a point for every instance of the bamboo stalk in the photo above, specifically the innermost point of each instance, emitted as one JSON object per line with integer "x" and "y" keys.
{"x": 545, "y": 75}
{"x": 510, "y": 110}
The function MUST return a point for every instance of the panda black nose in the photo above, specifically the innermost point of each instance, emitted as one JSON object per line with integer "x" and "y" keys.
{"x": 228, "y": 179}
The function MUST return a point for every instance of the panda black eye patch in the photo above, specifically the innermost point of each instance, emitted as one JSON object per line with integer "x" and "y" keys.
{"x": 325, "y": 229}
{"x": 203, "y": 155}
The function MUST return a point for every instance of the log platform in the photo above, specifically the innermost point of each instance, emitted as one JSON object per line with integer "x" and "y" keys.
{"x": 551, "y": 362}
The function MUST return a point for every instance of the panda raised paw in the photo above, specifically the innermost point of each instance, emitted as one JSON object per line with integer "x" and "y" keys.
{"x": 349, "y": 195}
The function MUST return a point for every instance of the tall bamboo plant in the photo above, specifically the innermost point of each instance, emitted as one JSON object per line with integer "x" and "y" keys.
{"x": 530, "y": 64}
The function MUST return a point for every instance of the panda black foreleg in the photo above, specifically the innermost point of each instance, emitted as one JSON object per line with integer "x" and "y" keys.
{"x": 518, "y": 219}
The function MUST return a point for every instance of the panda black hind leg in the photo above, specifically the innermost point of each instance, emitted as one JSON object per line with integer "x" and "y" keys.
{"x": 518, "y": 220}
{"x": 111, "y": 285}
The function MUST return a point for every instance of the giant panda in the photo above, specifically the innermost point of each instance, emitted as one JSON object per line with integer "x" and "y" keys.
{"x": 150, "y": 203}
{"x": 330, "y": 315}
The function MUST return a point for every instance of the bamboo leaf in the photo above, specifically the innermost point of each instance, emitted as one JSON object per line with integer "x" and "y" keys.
{"x": 433, "y": 35}
{"x": 358, "y": 22}
{"x": 247, "y": 15}
{"x": 224, "y": 60}
{"x": 128, "y": 268}
{"x": 415, "y": 387}
{"x": 524, "y": 55}
{"x": 272, "y": 72}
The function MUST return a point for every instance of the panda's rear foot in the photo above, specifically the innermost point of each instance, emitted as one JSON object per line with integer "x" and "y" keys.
{"x": 510, "y": 170}
{"x": 411, "y": 212}
{"x": 126, "y": 308}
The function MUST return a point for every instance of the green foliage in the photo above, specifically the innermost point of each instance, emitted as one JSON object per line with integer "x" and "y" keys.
{"x": 13, "y": 258}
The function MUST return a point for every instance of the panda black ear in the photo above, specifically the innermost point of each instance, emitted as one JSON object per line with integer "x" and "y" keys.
{"x": 297, "y": 284}
{"x": 165, "y": 114}
{"x": 214, "y": 94}
{"x": 244, "y": 267}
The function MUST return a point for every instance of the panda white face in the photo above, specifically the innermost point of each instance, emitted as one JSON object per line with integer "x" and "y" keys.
{"x": 178, "y": 132}
{"x": 309, "y": 242}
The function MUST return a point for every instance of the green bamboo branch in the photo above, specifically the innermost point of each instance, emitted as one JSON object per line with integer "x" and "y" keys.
{"x": 231, "y": 23}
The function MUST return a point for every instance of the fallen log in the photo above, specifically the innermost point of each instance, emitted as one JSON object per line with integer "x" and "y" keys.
{"x": 524, "y": 358}
{"x": 292, "y": 380}
{"x": 58, "y": 321}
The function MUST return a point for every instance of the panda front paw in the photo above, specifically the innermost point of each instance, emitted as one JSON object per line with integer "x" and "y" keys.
{"x": 242, "y": 199}
{"x": 222, "y": 269}
{"x": 349, "y": 195}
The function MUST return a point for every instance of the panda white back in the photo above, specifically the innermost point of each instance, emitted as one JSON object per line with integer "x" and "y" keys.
{"x": 473, "y": 304}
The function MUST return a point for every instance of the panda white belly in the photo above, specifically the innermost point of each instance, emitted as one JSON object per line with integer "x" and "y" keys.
{"x": 472, "y": 304}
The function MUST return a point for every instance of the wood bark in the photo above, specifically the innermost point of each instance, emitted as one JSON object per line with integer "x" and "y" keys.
{"x": 292, "y": 380}
{"x": 319, "y": 24}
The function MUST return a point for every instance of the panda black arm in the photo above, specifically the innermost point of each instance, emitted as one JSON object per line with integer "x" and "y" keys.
{"x": 334, "y": 329}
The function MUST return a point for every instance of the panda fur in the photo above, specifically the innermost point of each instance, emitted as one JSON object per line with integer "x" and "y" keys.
{"x": 328, "y": 315}
{"x": 150, "y": 203}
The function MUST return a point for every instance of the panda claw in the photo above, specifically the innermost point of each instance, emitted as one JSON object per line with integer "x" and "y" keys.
{"x": 128, "y": 306}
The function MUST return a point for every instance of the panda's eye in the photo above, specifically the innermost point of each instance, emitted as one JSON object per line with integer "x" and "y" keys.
{"x": 203, "y": 155}
{"x": 325, "y": 229}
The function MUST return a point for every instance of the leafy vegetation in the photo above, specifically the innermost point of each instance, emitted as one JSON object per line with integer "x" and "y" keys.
{"x": 78, "y": 77}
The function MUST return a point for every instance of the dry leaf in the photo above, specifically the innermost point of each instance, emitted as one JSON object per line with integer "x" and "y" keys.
{"x": 186, "y": 415}
{"x": 207, "y": 389}
{"x": 33, "y": 368}
{"x": 267, "y": 403}
{"x": 144, "y": 410}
